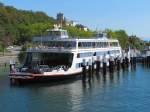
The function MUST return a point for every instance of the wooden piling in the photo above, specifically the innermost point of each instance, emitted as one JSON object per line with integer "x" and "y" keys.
{"x": 126, "y": 62}
{"x": 90, "y": 69}
{"x": 104, "y": 68}
{"x": 111, "y": 64}
{"x": 83, "y": 65}
{"x": 104, "y": 64}
{"x": 123, "y": 64}
{"x": 89, "y": 72}
{"x": 93, "y": 64}
{"x": 118, "y": 64}
{"x": 98, "y": 64}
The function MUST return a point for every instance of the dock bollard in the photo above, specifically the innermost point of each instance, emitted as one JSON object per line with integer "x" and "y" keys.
{"x": 118, "y": 64}
{"x": 111, "y": 64}
{"x": 115, "y": 61}
{"x": 104, "y": 67}
{"x": 145, "y": 60}
{"x": 148, "y": 60}
{"x": 131, "y": 61}
{"x": 89, "y": 72}
{"x": 123, "y": 64}
{"x": 134, "y": 61}
{"x": 83, "y": 70}
{"x": 98, "y": 64}
{"x": 93, "y": 64}
{"x": 104, "y": 64}
{"x": 90, "y": 69}
{"x": 126, "y": 62}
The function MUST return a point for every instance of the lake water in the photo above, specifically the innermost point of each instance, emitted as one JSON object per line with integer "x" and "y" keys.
{"x": 127, "y": 91}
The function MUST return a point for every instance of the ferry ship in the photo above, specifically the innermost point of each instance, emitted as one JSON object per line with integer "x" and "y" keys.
{"x": 57, "y": 56}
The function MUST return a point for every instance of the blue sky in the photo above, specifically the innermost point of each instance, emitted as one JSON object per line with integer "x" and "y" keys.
{"x": 130, "y": 15}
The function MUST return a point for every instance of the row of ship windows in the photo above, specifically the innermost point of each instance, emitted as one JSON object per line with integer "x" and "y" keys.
{"x": 89, "y": 54}
{"x": 97, "y": 44}
{"x": 65, "y": 44}
{"x": 81, "y": 44}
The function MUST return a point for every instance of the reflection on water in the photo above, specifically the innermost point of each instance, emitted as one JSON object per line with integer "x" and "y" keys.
{"x": 120, "y": 91}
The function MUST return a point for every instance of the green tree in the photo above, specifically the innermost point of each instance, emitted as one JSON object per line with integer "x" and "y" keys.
{"x": 110, "y": 33}
{"x": 75, "y": 32}
{"x": 135, "y": 42}
{"x": 122, "y": 36}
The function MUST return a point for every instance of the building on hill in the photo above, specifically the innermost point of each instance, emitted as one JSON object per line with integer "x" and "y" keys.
{"x": 70, "y": 22}
{"x": 62, "y": 20}
{"x": 82, "y": 27}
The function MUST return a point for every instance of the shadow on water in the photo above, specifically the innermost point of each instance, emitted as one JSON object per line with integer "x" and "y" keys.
{"x": 45, "y": 84}
{"x": 109, "y": 78}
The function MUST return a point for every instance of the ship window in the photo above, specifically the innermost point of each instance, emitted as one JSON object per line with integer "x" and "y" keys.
{"x": 78, "y": 55}
{"x": 86, "y": 44}
{"x": 101, "y": 53}
{"x": 114, "y": 44}
{"x": 55, "y": 33}
{"x": 78, "y": 65}
{"x": 114, "y": 51}
{"x": 93, "y": 44}
{"x": 87, "y": 54}
{"x": 79, "y": 44}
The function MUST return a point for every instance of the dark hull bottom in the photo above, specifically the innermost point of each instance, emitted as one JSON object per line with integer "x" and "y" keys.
{"x": 45, "y": 79}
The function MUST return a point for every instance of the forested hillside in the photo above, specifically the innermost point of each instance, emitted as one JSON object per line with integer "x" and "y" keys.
{"x": 18, "y": 26}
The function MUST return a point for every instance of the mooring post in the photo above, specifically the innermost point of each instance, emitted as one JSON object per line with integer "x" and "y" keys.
{"x": 90, "y": 69}
{"x": 131, "y": 61}
{"x": 134, "y": 62}
{"x": 126, "y": 62}
{"x": 93, "y": 64}
{"x": 111, "y": 64}
{"x": 104, "y": 64}
{"x": 118, "y": 63}
{"x": 145, "y": 60}
{"x": 122, "y": 63}
{"x": 148, "y": 60}
{"x": 83, "y": 70}
{"x": 115, "y": 61}
{"x": 98, "y": 64}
